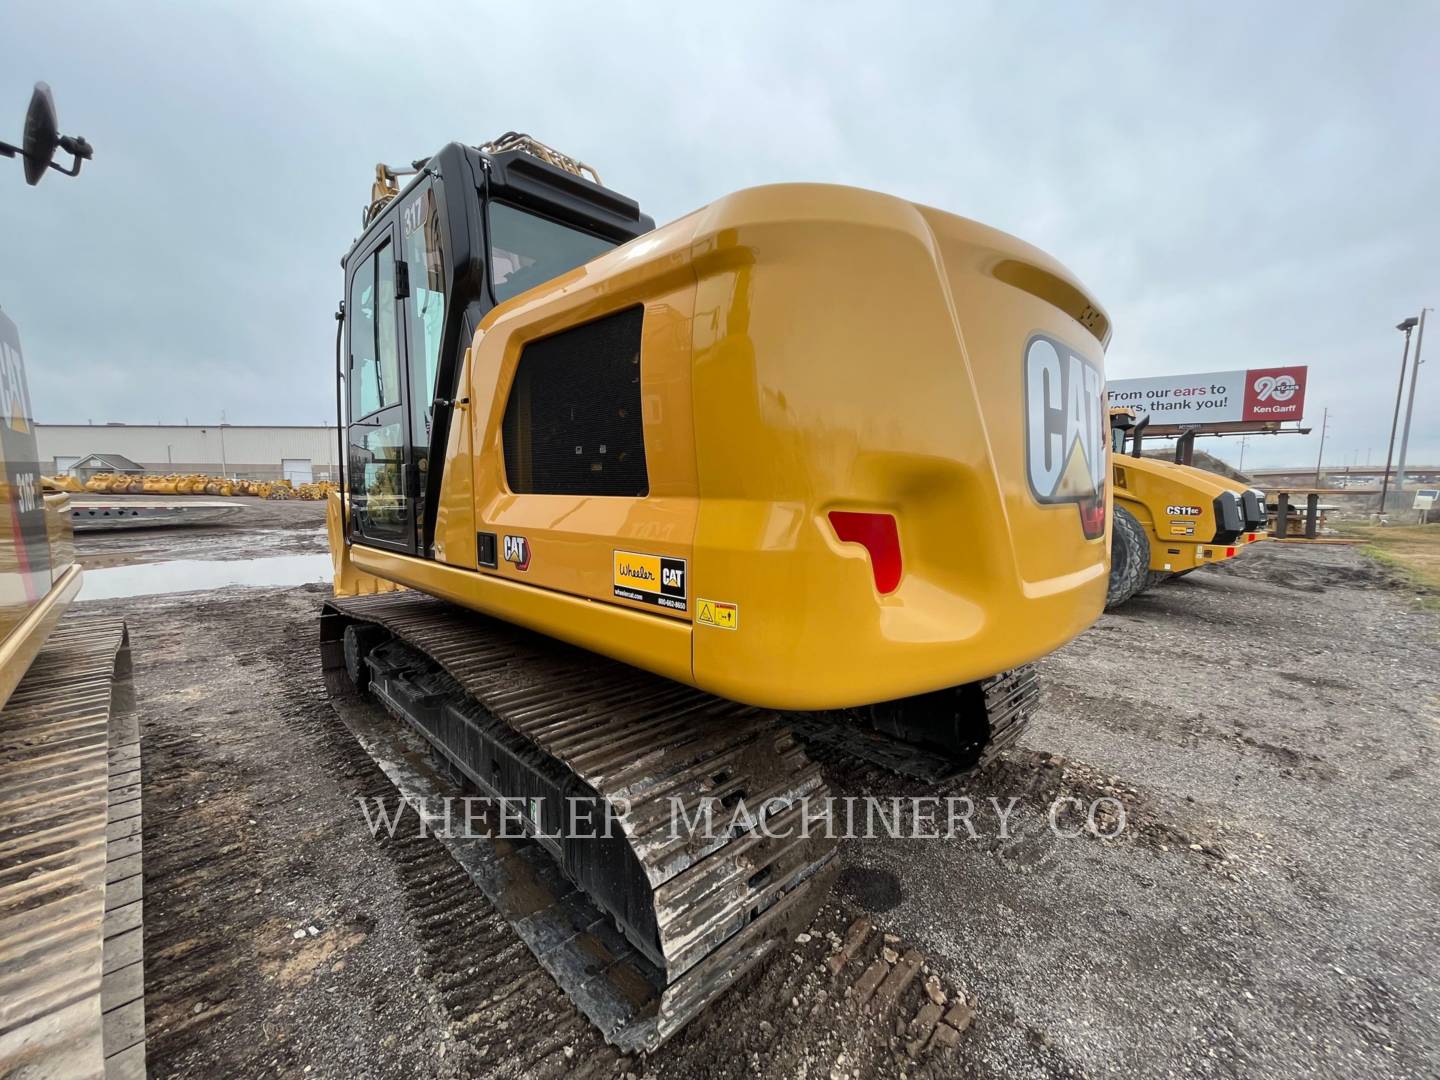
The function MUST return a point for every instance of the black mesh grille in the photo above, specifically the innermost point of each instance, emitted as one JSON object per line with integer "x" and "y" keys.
{"x": 572, "y": 424}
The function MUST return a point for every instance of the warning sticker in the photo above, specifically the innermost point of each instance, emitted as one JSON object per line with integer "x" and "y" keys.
{"x": 650, "y": 579}
{"x": 715, "y": 613}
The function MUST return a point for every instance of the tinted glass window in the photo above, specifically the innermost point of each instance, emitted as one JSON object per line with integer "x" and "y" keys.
{"x": 377, "y": 481}
{"x": 572, "y": 422}
{"x": 360, "y": 320}
{"x": 374, "y": 374}
{"x": 526, "y": 250}
{"x": 420, "y": 221}
{"x": 387, "y": 345}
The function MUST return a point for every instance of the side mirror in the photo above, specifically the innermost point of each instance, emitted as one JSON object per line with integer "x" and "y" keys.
{"x": 42, "y": 138}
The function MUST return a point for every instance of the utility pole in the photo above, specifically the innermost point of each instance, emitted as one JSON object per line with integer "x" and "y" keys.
{"x": 224, "y": 468}
{"x": 1410, "y": 407}
{"x": 1324, "y": 423}
{"x": 1241, "y": 467}
{"x": 1406, "y": 326}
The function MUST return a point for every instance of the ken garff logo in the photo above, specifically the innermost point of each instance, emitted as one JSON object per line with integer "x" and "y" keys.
{"x": 1279, "y": 387}
{"x": 1065, "y": 430}
{"x": 517, "y": 551}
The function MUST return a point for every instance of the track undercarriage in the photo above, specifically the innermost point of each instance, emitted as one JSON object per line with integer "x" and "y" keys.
{"x": 650, "y": 842}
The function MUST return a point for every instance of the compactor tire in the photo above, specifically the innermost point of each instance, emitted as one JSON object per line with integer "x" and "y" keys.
{"x": 1155, "y": 577}
{"x": 1129, "y": 558}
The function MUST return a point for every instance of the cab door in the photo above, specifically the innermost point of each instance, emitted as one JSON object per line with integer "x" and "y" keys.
{"x": 425, "y": 307}
{"x": 382, "y": 512}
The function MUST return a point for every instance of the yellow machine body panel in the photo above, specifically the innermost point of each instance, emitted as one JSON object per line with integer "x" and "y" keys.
{"x": 39, "y": 576}
{"x": 1176, "y": 508}
{"x": 806, "y": 351}
{"x": 1228, "y": 483}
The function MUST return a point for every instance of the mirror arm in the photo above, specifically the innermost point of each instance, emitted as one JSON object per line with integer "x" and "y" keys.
{"x": 79, "y": 149}
{"x": 74, "y": 169}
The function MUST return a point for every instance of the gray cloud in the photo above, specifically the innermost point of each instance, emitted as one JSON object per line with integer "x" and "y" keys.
{"x": 1240, "y": 186}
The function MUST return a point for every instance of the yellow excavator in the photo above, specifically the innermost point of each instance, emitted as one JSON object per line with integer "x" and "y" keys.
{"x": 69, "y": 753}
{"x": 39, "y": 576}
{"x": 1170, "y": 519}
{"x": 626, "y": 510}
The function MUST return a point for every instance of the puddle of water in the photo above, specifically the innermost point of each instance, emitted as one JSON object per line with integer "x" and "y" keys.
{"x": 190, "y": 575}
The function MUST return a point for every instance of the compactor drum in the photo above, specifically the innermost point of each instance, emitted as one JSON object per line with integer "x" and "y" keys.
{"x": 625, "y": 509}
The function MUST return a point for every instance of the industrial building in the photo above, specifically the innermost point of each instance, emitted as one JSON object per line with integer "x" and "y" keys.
{"x": 268, "y": 452}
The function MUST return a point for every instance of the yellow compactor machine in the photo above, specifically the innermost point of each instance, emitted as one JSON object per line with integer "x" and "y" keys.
{"x": 1171, "y": 519}
{"x": 808, "y": 459}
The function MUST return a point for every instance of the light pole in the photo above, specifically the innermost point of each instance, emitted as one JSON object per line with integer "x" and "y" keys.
{"x": 1410, "y": 408}
{"x": 225, "y": 468}
{"x": 1324, "y": 423}
{"x": 1406, "y": 326}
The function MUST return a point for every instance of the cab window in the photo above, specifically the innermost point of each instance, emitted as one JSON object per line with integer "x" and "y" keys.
{"x": 374, "y": 374}
{"x": 424, "y": 260}
{"x": 526, "y": 250}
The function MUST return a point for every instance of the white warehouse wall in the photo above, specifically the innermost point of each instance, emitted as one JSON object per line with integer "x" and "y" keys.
{"x": 237, "y": 450}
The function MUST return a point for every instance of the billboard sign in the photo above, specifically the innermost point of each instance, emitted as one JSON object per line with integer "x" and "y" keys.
{"x": 1219, "y": 397}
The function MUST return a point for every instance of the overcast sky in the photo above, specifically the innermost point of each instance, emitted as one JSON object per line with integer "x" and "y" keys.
{"x": 1240, "y": 185}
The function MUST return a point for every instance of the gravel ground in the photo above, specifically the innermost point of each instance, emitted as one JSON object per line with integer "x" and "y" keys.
{"x": 1269, "y": 728}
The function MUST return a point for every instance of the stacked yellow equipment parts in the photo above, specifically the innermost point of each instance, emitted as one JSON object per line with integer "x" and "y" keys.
{"x": 189, "y": 484}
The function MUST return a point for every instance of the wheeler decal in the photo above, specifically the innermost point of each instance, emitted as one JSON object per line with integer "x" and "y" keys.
{"x": 650, "y": 579}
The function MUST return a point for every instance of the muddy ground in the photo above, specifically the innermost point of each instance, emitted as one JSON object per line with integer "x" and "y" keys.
{"x": 258, "y": 528}
{"x": 1269, "y": 727}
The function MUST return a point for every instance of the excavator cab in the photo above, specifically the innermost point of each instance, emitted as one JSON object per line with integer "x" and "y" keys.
{"x": 473, "y": 227}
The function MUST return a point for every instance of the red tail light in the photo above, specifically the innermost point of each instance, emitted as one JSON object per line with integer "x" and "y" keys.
{"x": 879, "y": 536}
{"x": 1230, "y": 552}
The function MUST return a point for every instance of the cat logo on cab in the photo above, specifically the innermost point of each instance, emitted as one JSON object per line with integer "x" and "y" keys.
{"x": 517, "y": 551}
